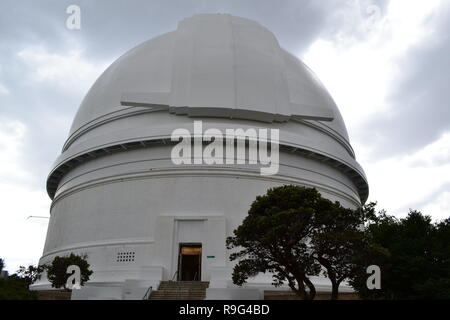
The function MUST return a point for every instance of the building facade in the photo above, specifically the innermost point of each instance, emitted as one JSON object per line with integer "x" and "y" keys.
{"x": 119, "y": 197}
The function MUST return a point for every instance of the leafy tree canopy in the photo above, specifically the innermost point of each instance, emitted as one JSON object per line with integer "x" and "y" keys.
{"x": 294, "y": 233}
{"x": 339, "y": 243}
{"x": 418, "y": 266}
{"x": 57, "y": 270}
{"x": 15, "y": 289}
{"x": 29, "y": 274}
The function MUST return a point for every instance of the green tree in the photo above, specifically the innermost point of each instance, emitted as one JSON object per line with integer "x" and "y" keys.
{"x": 29, "y": 274}
{"x": 293, "y": 232}
{"x": 339, "y": 243}
{"x": 418, "y": 266}
{"x": 15, "y": 289}
{"x": 274, "y": 238}
{"x": 57, "y": 270}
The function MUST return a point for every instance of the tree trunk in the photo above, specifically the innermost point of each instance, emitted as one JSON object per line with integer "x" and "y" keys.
{"x": 312, "y": 289}
{"x": 334, "y": 290}
{"x": 300, "y": 291}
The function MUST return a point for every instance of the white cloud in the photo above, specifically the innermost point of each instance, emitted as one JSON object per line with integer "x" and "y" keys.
{"x": 359, "y": 63}
{"x": 398, "y": 183}
{"x": 3, "y": 90}
{"x": 21, "y": 239}
{"x": 12, "y": 133}
{"x": 69, "y": 70}
{"x": 434, "y": 154}
{"x": 440, "y": 206}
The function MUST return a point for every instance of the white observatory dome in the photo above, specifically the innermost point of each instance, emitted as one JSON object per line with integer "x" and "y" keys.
{"x": 116, "y": 193}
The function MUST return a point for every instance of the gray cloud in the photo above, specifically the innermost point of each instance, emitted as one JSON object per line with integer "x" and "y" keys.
{"x": 109, "y": 29}
{"x": 420, "y": 100}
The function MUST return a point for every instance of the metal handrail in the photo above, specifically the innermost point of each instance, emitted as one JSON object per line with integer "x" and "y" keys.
{"x": 174, "y": 275}
{"x": 147, "y": 293}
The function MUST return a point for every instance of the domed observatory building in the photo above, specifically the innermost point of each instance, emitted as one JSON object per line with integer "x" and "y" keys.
{"x": 145, "y": 211}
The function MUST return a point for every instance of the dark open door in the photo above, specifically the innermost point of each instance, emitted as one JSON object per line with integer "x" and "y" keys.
{"x": 190, "y": 262}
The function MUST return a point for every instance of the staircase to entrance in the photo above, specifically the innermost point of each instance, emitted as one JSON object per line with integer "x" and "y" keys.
{"x": 180, "y": 290}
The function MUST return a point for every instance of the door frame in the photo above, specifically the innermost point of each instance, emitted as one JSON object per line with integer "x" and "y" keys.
{"x": 180, "y": 258}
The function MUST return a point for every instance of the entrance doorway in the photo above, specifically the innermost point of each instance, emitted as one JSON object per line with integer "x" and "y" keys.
{"x": 190, "y": 262}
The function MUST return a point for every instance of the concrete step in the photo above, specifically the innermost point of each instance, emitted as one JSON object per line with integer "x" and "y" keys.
{"x": 177, "y": 295}
{"x": 180, "y": 290}
{"x": 178, "y": 298}
{"x": 174, "y": 293}
{"x": 183, "y": 284}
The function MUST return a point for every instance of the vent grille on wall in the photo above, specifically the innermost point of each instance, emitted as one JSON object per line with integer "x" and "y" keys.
{"x": 125, "y": 256}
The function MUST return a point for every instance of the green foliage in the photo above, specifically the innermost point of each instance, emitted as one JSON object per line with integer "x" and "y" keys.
{"x": 29, "y": 274}
{"x": 15, "y": 289}
{"x": 2, "y": 264}
{"x": 57, "y": 270}
{"x": 273, "y": 238}
{"x": 418, "y": 264}
{"x": 339, "y": 243}
{"x": 293, "y": 232}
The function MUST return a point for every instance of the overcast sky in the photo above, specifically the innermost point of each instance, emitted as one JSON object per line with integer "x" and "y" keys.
{"x": 386, "y": 63}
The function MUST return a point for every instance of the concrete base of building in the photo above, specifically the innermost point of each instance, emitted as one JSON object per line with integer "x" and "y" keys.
{"x": 133, "y": 289}
{"x": 54, "y": 295}
{"x": 289, "y": 295}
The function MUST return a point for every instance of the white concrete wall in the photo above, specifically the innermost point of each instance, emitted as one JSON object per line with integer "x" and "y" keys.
{"x": 131, "y": 202}
{"x": 138, "y": 203}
